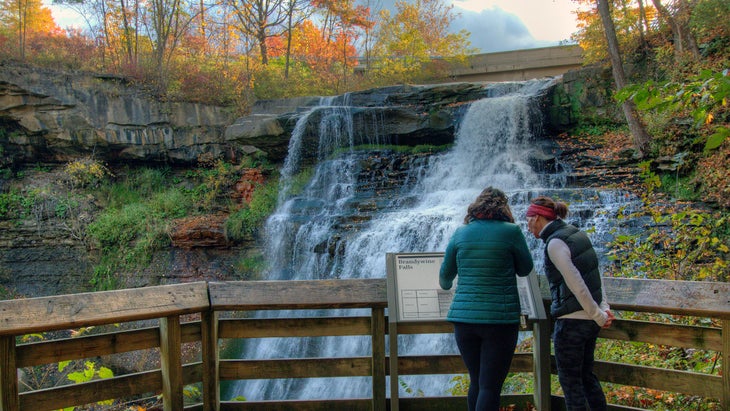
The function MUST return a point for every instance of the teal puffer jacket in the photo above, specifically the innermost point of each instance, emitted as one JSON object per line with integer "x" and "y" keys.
{"x": 486, "y": 255}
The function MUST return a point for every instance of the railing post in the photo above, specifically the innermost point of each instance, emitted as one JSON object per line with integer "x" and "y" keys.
{"x": 171, "y": 360}
{"x": 8, "y": 375}
{"x": 541, "y": 364}
{"x": 211, "y": 380}
{"x": 726, "y": 364}
{"x": 377, "y": 330}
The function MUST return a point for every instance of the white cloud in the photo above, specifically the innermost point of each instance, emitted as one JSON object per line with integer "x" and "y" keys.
{"x": 64, "y": 16}
{"x": 499, "y": 25}
{"x": 547, "y": 20}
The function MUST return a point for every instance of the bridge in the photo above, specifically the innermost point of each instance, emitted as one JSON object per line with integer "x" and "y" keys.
{"x": 205, "y": 315}
{"x": 519, "y": 64}
{"x": 514, "y": 65}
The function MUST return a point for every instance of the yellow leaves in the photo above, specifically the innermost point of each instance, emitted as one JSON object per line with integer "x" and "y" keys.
{"x": 86, "y": 172}
{"x": 682, "y": 244}
{"x": 32, "y": 337}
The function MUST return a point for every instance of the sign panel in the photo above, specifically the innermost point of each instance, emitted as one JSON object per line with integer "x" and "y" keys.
{"x": 414, "y": 293}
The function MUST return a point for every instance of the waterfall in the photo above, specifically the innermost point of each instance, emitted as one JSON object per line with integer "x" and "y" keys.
{"x": 492, "y": 147}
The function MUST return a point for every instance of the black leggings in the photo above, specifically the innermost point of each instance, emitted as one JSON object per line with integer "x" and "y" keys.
{"x": 487, "y": 351}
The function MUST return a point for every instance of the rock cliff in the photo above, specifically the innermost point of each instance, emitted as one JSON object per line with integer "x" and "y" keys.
{"x": 50, "y": 116}
{"x": 56, "y": 116}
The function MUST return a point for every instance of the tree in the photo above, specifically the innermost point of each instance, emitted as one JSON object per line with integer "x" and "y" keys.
{"x": 168, "y": 25}
{"x": 316, "y": 59}
{"x": 684, "y": 41}
{"x": 638, "y": 132}
{"x": 417, "y": 34}
{"x": 293, "y": 8}
{"x": 26, "y": 18}
{"x": 368, "y": 38}
{"x": 260, "y": 19}
{"x": 344, "y": 18}
{"x": 630, "y": 25}
{"x": 130, "y": 33}
{"x": 113, "y": 24}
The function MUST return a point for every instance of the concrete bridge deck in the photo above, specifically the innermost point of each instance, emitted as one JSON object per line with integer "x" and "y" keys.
{"x": 519, "y": 64}
{"x": 514, "y": 65}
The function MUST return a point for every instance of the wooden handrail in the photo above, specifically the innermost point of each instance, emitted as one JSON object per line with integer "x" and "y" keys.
{"x": 33, "y": 315}
{"x": 692, "y": 298}
{"x": 298, "y": 294}
{"x": 168, "y": 304}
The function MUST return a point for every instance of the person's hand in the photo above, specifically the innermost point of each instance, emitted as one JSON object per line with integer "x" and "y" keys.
{"x": 610, "y": 319}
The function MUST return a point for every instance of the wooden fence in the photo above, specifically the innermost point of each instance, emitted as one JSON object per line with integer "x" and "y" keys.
{"x": 213, "y": 305}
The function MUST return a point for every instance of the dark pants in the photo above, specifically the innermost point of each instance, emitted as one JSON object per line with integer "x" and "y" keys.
{"x": 575, "y": 342}
{"x": 487, "y": 351}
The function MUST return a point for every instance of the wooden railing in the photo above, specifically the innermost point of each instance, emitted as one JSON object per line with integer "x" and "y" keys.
{"x": 217, "y": 308}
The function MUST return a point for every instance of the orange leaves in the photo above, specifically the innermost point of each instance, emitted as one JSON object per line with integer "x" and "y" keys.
{"x": 311, "y": 47}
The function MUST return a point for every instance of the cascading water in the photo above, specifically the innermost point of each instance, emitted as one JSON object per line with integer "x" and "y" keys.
{"x": 492, "y": 147}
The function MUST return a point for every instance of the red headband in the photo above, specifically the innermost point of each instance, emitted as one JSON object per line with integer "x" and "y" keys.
{"x": 536, "y": 209}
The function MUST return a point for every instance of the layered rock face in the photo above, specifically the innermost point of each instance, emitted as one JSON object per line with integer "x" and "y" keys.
{"x": 48, "y": 116}
{"x": 51, "y": 116}
{"x": 55, "y": 117}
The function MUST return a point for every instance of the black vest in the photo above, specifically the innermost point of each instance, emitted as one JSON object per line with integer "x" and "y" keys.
{"x": 583, "y": 257}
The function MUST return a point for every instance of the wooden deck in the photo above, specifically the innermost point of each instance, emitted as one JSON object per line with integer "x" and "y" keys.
{"x": 207, "y": 314}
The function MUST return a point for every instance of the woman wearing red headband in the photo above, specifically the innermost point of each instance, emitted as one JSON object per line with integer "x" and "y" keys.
{"x": 486, "y": 253}
{"x": 578, "y": 303}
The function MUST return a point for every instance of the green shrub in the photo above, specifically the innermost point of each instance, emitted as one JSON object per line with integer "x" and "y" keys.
{"x": 10, "y": 204}
{"x": 143, "y": 249}
{"x": 117, "y": 195}
{"x": 682, "y": 188}
{"x": 172, "y": 203}
{"x": 147, "y": 181}
{"x": 104, "y": 276}
{"x": 119, "y": 226}
{"x": 246, "y": 222}
{"x": 214, "y": 182}
{"x": 680, "y": 244}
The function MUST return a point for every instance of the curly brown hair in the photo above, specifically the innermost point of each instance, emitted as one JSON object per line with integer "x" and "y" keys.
{"x": 491, "y": 204}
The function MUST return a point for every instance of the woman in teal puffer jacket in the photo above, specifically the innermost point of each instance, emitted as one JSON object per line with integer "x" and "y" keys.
{"x": 487, "y": 252}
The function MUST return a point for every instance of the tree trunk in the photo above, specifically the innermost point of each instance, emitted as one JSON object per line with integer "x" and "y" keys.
{"x": 290, "y": 28}
{"x": 262, "y": 46}
{"x": 683, "y": 39}
{"x": 203, "y": 36}
{"x": 643, "y": 24}
{"x": 638, "y": 132}
{"x": 685, "y": 15}
{"x": 126, "y": 27}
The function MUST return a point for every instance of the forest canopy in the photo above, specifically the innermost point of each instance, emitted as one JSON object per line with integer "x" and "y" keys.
{"x": 240, "y": 49}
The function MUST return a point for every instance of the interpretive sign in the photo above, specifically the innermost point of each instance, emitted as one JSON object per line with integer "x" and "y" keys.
{"x": 414, "y": 293}
{"x": 413, "y": 286}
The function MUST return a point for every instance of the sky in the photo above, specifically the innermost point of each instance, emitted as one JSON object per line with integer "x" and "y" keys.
{"x": 500, "y": 25}
{"x": 495, "y": 25}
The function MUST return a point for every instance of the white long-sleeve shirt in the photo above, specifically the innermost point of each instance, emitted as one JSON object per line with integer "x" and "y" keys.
{"x": 559, "y": 254}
